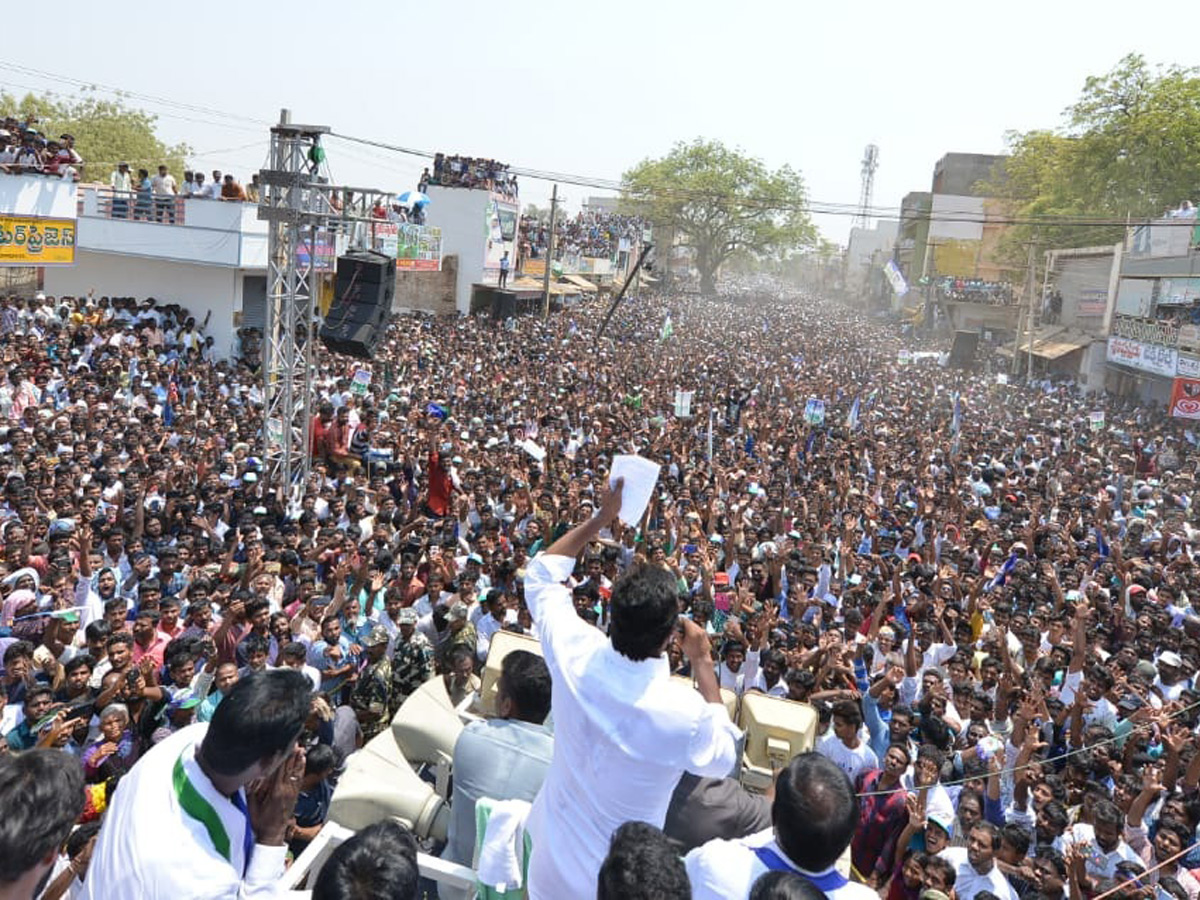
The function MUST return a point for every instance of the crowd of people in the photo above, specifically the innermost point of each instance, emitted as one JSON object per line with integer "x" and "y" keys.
{"x": 25, "y": 150}
{"x": 975, "y": 290}
{"x": 591, "y": 232}
{"x": 985, "y": 599}
{"x": 156, "y": 198}
{"x": 469, "y": 172}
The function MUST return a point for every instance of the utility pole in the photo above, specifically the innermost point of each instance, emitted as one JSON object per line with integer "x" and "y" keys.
{"x": 549, "y": 254}
{"x": 1030, "y": 286}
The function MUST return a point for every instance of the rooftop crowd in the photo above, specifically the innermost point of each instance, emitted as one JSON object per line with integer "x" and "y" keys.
{"x": 975, "y": 290}
{"x": 469, "y": 172}
{"x": 25, "y": 150}
{"x": 986, "y": 600}
{"x": 588, "y": 233}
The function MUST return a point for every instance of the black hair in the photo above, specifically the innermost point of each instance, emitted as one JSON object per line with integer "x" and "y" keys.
{"x": 98, "y": 631}
{"x": 81, "y": 835}
{"x": 1017, "y": 837}
{"x": 377, "y": 863}
{"x": 992, "y": 831}
{"x": 255, "y": 643}
{"x": 814, "y": 811}
{"x": 1105, "y": 812}
{"x": 41, "y": 793}
{"x": 784, "y": 885}
{"x": 261, "y": 717}
{"x": 949, "y": 872}
{"x": 77, "y": 662}
{"x": 642, "y": 864}
{"x": 848, "y": 711}
{"x": 644, "y": 608}
{"x": 17, "y": 650}
{"x": 294, "y": 650}
{"x": 320, "y": 758}
{"x": 525, "y": 679}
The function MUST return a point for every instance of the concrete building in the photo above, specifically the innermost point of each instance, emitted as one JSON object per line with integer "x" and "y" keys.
{"x": 1154, "y": 334}
{"x": 866, "y": 253}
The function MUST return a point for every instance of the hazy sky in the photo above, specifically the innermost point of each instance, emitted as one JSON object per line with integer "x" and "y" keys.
{"x": 589, "y": 89}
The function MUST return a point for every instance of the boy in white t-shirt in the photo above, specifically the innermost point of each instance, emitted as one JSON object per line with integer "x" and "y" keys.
{"x": 844, "y": 744}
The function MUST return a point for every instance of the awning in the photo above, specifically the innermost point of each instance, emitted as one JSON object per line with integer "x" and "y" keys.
{"x": 528, "y": 285}
{"x": 649, "y": 279}
{"x": 582, "y": 283}
{"x": 1049, "y": 347}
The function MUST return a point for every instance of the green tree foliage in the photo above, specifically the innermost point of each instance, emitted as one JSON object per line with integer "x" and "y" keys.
{"x": 106, "y": 131}
{"x": 721, "y": 203}
{"x": 1129, "y": 147}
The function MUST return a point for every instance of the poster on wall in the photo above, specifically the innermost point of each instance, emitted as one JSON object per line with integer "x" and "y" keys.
{"x": 34, "y": 241}
{"x": 1185, "y": 398}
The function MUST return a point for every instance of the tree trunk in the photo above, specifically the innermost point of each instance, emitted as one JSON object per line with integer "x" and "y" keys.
{"x": 708, "y": 286}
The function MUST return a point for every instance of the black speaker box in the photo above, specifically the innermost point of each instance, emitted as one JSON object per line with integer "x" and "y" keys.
{"x": 362, "y": 302}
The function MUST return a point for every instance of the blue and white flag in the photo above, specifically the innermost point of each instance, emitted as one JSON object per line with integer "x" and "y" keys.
{"x": 852, "y": 418}
{"x": 1101, "y": 543}
{"x": 956, "y": 417}
{"x": 1002, "y": 576}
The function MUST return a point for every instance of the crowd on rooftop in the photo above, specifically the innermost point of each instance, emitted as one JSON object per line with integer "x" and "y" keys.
{"x": 452, "y": 170}
{"x": 590, "y": 232}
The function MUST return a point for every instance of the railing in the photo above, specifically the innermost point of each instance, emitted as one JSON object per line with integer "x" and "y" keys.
{"x": 112, "y": 204}
{"x": 1148, "y": 331}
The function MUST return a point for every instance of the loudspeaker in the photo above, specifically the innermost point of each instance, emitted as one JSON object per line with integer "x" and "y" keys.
{"x": 504, "y": 305}
{"x": 962, "y": 353}
{"x": 362, "y": 302}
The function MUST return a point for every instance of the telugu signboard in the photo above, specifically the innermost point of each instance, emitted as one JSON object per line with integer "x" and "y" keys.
{"x": 415, "y": 247}
{"x": 34, "y": 241}
{"x": 1146, "y": 357}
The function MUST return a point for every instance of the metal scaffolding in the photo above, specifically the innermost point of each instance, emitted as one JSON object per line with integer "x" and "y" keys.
{"x": 297, "y": 208}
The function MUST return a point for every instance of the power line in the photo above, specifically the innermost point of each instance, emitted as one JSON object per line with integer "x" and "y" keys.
{"x": 768, "y": 205}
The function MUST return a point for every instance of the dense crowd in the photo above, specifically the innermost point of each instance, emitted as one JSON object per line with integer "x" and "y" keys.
{"x": 587, "y": 233}
{"x": 975, "y": 290}
{"x": 986, "y": 599}
{"x": 469, "y": 172}
{"x": 24, "y": 150}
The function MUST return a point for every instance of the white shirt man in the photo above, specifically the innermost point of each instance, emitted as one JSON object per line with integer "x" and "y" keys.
{"x": 187, "y": 814}
{"x": 969, "y": 881}
{"x": 624, "y": 732}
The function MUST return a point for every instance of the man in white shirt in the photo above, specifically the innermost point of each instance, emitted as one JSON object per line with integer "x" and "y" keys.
{"x": 121, "y": 183}
{"x": 163, "y": 187}
{"x": 188, "y": 798}
{"x": 975, "y": 866}
{"x": 813, "y": 817}
{"x": 624, "y": 731}
{"x": 1101, "y": 843}
{"x": 844, "y": 744}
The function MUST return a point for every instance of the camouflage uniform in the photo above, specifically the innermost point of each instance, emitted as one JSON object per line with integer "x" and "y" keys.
{"x": 412, "y": 666}
{"x": 372, "y": 695}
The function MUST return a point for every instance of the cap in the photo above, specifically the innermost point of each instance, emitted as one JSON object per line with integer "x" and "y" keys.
{"x": 1170, "y": 658}
{"x": 407, "y": 616}
{"x": 377, "y": 635}
{"x": 458, "y": 611}
{"x": 1131, "y": 703}
{"x": 721, "y": 578}
{"x": 942, "y": 819}
{"x": 1146, "y": 670}
{"x": 183, "y": 700}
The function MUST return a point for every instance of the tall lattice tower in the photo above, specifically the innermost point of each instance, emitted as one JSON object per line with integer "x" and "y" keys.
{"x": 870, "y": 162}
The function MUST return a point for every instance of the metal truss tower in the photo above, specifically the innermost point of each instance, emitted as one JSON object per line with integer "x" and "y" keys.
{"x": 295, "y": 201}
{"x": 870, "y": 162}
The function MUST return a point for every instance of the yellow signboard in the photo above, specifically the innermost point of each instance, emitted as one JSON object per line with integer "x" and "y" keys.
{"x": 32, "y": 241}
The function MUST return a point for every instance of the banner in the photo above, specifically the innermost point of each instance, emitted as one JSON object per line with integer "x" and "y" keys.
{"x": 415, "y": 247}
{"x": 360, "y": 382}
{"x": 814, "y": 412}
{"x": 1185, "y": 398}
{"x": 321, "y": 248}
{"x": 1146, "y": 357}
{"x": 1096, "y": 420}
{"x": 895, "y": 278}
{"x": 683, "y": 404}
{"x": 534, "y": 268}
{"x": 32, "y": 241}
{"x": 904, "y": 357}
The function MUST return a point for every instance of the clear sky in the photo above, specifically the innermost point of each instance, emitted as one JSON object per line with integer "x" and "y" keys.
{"x": 590, "y": 89}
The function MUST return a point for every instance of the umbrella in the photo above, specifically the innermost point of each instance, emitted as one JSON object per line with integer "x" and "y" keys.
{"x": 412, "y": 198}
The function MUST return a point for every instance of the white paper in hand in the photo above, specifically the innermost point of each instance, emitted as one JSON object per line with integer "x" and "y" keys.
{"x": 640, "y": 476}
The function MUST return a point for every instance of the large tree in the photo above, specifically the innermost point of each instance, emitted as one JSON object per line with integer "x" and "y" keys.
{"x": 721, "y": 202}
{"x": 1128, "y": 147}
{"x": 106, "y": 131}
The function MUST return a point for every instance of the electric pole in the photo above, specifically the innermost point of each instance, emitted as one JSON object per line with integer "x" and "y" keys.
{"x": 549, "y": 254}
